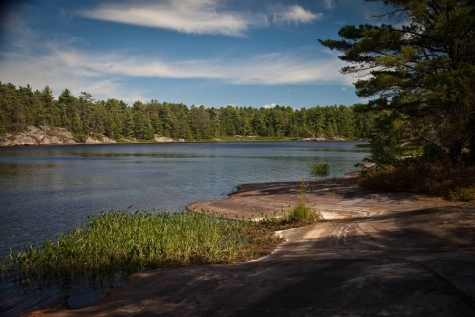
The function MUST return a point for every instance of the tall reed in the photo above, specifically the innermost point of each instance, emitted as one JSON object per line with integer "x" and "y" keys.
{"x": 129, "y": 242}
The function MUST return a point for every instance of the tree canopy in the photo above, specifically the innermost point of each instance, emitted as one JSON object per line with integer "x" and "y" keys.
{"x": 420, "y": 70}
{"x": 85, "y": 116}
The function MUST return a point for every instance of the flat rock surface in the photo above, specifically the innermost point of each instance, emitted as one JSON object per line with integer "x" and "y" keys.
{"x": 376, "y": 254}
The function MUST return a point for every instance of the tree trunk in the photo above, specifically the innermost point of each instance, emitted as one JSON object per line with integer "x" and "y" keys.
{"x": 472, "y": 147}
{"x": 455, "y": 152}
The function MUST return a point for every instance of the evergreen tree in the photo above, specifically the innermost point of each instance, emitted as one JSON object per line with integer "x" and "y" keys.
{"x": 423, "y": 70}
{"x": 20, "y": 107}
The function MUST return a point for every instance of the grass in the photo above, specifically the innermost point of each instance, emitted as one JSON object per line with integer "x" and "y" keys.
{"x": 122, "y": 242}
{"x": 300, "y": 215}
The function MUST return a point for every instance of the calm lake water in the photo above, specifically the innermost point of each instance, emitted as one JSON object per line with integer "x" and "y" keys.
{"x": 48, "y": 190}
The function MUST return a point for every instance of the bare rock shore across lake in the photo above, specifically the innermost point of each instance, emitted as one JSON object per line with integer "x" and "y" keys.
{"x": 376, "y": 254}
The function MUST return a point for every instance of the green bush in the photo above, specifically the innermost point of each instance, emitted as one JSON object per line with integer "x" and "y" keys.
{"x": 80, "y": 137}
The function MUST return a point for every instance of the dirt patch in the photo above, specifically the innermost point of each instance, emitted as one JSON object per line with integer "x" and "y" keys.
{"x": 377, "y": 254}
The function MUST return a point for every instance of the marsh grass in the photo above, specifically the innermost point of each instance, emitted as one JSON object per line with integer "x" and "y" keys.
{"x": 120, "y": 242}
{"x": 319, "y": 169}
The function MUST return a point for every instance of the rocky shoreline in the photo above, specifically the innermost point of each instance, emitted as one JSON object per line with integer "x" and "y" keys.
{"x": 48, "y": 135}
{"x": 376, "y": 254}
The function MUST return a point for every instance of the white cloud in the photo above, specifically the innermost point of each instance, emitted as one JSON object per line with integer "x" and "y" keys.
{"x": 198, "y": 16}
{"x": 186, "y": 16}
{"x": 270, "y": 106}
{"x": 105, "y": 75}
{"x": 62, "y": 70}
{"x": 294, "y": 14}
{"x": 344, "y": 88}
{"x": 269, "y": 69}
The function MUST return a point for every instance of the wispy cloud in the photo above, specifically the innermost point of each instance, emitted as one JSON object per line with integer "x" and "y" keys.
{"x": 62, "y": 70}
{"x": 12, "y": 22}
{"x": 186, "y": 16}
{"x": 198, "y": 16}
{"x": 104, "y": 74}
{"x": 268, "y": 69}
{"x": 329, "y": 4}
{"x": 294, "y": 14}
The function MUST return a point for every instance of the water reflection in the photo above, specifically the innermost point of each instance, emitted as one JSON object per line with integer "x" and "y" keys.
{"x": 13, "y": 170}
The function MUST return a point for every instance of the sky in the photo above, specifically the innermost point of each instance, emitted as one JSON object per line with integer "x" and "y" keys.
{"x": 197, "y": 52}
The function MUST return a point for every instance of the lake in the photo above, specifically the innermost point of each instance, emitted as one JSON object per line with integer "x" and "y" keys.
{"x": 48, "y": 190}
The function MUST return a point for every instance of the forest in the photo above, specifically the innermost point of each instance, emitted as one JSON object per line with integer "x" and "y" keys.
{"x": 85, "y": 116}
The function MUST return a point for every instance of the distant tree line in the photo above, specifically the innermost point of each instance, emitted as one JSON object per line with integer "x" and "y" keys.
{"x": 84, "y": 116}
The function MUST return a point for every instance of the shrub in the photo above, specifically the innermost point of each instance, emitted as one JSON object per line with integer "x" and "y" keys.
{"x": 80, "y": 137}
{"x": 417, "y": 175}
{"x": 462, "y": 193}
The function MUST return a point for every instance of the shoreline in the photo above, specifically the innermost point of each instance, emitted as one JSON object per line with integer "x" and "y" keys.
{"x": 256, "y": 200}
{"x": 376, "y": 253}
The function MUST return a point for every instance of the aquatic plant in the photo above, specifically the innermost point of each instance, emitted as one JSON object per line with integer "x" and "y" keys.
{"x": 122, "y": 242}
{"x": 319, "y": 169}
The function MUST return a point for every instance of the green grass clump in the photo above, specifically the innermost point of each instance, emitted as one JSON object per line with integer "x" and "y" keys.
{"x": 319, "y": 170}
{"x": 123, "y": 242}
{"x": 301, "y": 213}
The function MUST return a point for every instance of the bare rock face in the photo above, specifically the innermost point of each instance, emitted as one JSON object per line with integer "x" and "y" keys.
{"x": 104, "y": 140}
{"x": 44, "y": 135}
{"x": 162, "y": 139}
{"x": 320, "y": 138}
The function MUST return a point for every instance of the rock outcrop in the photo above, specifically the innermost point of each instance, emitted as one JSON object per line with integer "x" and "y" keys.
{"x": 321, "y": 138}
{"x": 162, "y": 139}
{"x": 45, "y": 135}
{"x": 102, "y": 140}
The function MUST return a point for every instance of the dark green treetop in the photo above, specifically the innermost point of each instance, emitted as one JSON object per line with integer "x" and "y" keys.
{"x": 422, "y": 69}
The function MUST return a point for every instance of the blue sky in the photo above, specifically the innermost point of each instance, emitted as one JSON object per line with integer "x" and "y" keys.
{"x": 201, "y": 52}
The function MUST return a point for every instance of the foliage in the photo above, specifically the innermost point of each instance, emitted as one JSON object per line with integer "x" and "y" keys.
{"x": 83, "y": 115}
{"x": 462, "y": 193}
{"x": 419, "y": 175}
{"x": 319, "y": 169}
{"x": 301, "y": 213}
{"x": 130, "y": 242}
{"x": 80, "y": 138}
{"x": 422, "y": 73}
